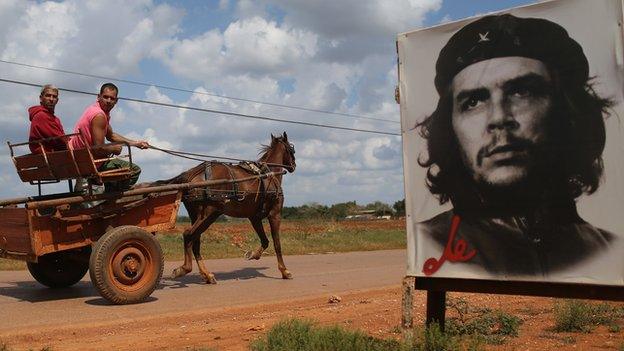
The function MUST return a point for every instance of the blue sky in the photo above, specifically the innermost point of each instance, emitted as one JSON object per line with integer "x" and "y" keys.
{"x": 336, "y": 56}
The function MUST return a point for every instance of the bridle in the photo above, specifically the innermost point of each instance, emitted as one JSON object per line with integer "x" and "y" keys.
{"x": 290, "y": 148}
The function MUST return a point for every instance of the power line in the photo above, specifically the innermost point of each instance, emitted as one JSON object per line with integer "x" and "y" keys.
{"x": 197, "y": 92}
{"x": 227, "y": 113}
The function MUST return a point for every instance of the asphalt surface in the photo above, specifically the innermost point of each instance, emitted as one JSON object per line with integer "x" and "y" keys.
{"x": 25, "y": 303}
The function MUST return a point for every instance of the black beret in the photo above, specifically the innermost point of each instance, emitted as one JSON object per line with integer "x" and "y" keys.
{"x": 505, "y": 36}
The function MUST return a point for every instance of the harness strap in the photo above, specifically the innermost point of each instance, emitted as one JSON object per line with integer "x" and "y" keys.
{"x": 232, "y": 177}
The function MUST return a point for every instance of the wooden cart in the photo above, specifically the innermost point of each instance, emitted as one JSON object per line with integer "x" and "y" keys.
{"x": 60, "y": 238}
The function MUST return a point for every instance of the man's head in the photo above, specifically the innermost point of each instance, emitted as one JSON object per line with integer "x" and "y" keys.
{"x": 515, "y": 105}
{"x": 48, "y": 97}
{"x": 107, "y": 98}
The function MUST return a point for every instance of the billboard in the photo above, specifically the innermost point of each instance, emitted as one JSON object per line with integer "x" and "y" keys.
{"x": 513, "y": 144}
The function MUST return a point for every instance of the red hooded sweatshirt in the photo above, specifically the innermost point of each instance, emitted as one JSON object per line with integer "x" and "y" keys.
{"x": 44, "y": 124}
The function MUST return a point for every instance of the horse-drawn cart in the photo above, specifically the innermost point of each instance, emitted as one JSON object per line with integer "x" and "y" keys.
{"x": 60, "y": 238}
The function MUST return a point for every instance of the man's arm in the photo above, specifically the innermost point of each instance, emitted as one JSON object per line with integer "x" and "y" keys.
{"x": 115, "y": 137}
{"x": 100, "y": 131}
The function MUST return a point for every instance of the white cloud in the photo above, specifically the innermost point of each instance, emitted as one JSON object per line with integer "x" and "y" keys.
{"x": 327, "y": 55}
{"x": 252, "y": 46}
{"x": 42, "y": 34}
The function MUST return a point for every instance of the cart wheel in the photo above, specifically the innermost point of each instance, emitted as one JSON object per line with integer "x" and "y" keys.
{"x": 126, "y": 265}
{"x": 61, "y": 269}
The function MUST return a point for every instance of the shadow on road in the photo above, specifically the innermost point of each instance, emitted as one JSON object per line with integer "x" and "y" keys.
{"x": 35, "y": 292}
{"x": 100, "y": 301}
{"x": 244, "y": 273}
{"x": 195, "y": 278}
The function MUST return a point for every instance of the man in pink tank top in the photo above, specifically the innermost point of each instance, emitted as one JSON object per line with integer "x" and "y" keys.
{"x": 94, "y": 125}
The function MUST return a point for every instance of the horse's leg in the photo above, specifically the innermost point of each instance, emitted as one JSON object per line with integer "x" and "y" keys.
{"x": 208, "y": 276}
{"x": 275, "y": 220}
{"x": 189, "y": 236}
{"x": 187, "y": 266}
{"x": 264, "y": 241}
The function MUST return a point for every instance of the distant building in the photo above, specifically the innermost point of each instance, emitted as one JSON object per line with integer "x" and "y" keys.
{"x": 364, "y": 215}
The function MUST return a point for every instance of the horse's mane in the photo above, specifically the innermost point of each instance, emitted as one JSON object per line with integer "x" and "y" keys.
{"x": 264, "y": 151}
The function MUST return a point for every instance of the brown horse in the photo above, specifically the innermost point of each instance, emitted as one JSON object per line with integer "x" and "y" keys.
{"x": 255, "y": 200}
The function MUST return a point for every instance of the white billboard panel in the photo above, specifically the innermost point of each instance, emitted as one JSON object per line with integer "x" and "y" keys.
{"x": 513, "y": 145}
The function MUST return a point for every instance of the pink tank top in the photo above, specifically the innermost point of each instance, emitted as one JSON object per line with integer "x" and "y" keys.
{"x": 84, "y": 126}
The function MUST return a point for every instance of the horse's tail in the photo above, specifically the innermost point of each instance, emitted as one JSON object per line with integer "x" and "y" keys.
{"x": 183, "y": 177}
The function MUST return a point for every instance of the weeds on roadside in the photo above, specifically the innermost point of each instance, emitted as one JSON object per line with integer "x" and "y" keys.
{"x": 489, "y": 326}
{"x": 303, "y": 335}
{"x": 581, "y": 316}
{"x": 433, "y": 339}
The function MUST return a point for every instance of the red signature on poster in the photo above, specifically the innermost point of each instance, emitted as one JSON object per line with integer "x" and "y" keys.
{"x": 452, "y": 253}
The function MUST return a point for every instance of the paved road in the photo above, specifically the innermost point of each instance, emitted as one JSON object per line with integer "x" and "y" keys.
{"x": 25, "y": 303}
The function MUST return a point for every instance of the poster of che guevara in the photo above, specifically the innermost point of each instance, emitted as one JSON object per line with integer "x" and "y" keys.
{"x": 513, "y": 144}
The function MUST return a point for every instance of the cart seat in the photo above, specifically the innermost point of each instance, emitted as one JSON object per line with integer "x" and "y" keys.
{"x": 65, "y": 164}
{"x": 55, "y": 166}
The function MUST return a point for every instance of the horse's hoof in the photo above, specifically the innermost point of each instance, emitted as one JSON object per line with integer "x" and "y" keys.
{"x": 286, "y": 275}
{"x": 179, "y": 272}
{"x": 252, "y": 255}
{"x": 211, "y": 279}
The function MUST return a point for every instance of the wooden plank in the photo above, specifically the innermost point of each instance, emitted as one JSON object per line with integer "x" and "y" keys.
{"x": 30, "y": 161}
{"x": 65, "y": 246}
{"x": 14, "y": 231}
{"x": 51, "y": 234}
{"x": 34, "y": 174}
{"x": 62, "y": 164}
{"x": 85, "y": 162}
{"x": 565, "y": 290}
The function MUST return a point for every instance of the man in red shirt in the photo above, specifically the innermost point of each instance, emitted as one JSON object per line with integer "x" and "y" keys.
{"x": 44, "y": 124}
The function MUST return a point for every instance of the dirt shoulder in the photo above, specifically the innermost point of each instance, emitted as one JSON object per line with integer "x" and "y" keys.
{"x": 377, "y": 312}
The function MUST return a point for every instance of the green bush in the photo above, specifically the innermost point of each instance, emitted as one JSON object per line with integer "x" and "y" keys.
{"x": 304, "y": 335}
{"x": 433, "y": 339}
{"x": 294, "y": 334}
{"x": 484, "y": 324}
{"x": 581, "y": 316}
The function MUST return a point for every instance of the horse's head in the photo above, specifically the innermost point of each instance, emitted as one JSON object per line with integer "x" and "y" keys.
{"x": 287, "y": 150}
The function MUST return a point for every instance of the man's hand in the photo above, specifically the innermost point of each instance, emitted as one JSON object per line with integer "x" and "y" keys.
{"x": 141, "y": 144}
{"x": 116, "y": 149}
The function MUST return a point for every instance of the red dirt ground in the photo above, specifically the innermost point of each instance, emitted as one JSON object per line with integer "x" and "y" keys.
{"x": 377, "y": 312}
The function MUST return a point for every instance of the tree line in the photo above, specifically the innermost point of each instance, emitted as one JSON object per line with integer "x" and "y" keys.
{"x": 337, "y": 211}
{"x": 342, "y": 210}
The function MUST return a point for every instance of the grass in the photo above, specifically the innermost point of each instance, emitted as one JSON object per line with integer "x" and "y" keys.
{"x": 11, "y": 265}
{"x": 298, "y": 237}
{"x": 5, "y": 347}
{"x": 304, "y": 335}
{"x": 489, "y": 326}
{"x": 225, "y": 240}
{"x": 581, "y": 316}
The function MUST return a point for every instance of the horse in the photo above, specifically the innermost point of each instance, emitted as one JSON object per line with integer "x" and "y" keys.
{"x": 254, "y": 199}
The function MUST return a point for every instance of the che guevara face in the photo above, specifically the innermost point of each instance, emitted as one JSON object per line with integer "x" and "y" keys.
{"x": 499, "y": 116}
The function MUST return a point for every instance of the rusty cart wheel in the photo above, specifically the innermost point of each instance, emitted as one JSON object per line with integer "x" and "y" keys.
{"x": 126, "y": 265}
{"x": 61, "y": 269}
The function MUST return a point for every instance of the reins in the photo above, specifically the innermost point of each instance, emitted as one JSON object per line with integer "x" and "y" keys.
{"x": 208, "y": 158}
